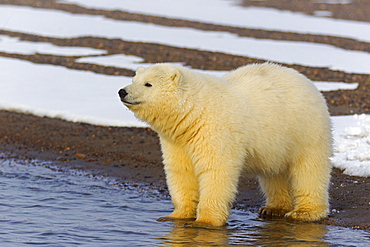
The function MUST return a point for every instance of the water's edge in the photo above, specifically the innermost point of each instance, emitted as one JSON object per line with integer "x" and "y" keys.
{"x": 53, "y": 205}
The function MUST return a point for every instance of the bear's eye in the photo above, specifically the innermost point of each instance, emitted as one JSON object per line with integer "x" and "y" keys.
{"x": 148, "y": 84}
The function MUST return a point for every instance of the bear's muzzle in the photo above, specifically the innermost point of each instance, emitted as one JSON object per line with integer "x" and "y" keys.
{"x": 122, "y": 94}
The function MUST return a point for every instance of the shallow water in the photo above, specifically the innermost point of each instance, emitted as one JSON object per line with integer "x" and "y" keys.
{"x": 42, "y": 206}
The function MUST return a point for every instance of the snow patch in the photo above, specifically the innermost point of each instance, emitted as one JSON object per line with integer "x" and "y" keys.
{"x": 352, "y": 145}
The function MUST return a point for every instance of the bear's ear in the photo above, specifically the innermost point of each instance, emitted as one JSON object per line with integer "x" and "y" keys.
{"x": 176, "y": 77}
{"x": 138, "y": 70}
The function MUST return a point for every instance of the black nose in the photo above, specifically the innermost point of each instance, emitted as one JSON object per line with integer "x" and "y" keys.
{"x": 122, "y": 93}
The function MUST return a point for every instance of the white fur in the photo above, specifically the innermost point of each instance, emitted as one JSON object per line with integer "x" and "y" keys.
{"x": 267, "y": 120}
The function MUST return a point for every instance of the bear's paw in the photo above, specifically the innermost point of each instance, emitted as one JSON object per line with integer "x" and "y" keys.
{"x": 306, "y": 215}
{"x": 270, "y": 212}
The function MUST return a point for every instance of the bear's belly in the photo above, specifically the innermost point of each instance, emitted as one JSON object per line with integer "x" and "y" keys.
{"x": 259, "y": 166}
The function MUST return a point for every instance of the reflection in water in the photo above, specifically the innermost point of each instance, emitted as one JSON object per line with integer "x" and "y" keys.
{"x": 292, "y": 234}
{"x": 195, "y": 236}
{"x": 247, "y": 230}
{"x": 42, "y": 207}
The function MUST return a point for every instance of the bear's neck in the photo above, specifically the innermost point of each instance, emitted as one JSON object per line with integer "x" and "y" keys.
{"x": 176, "y": 125}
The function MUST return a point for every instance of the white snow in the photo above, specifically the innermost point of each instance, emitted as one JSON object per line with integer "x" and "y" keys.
{"x": 352, "y": 144}
{"x": 15, "y": 45}
{"x": 79, "y": 96}
{"x": 133, "y": 62}
{"x": 60, "y": 24}
{"x": 117, "y": 60}
{"x": 229, "y": 13}
{"x": 332, "y": 86}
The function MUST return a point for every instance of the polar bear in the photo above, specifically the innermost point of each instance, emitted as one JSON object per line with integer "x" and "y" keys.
{"x": 263, "y": 119}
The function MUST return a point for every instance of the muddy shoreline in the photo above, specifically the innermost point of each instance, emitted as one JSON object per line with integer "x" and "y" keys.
{"x": 133, "y": 157}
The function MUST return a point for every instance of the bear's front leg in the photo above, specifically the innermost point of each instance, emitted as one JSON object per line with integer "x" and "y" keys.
{"x": 218, "y": 182}
{"x": 181, "y": 181}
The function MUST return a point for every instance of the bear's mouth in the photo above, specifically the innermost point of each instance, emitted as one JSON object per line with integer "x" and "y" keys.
{"x": 127, "y": 103}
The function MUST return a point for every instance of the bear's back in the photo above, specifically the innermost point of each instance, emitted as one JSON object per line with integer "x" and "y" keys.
{"x": 262, "y": 83}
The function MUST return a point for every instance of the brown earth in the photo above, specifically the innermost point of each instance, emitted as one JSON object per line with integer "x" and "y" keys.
{"x": 356, "y": 10}
{"x": 132, "y": 155}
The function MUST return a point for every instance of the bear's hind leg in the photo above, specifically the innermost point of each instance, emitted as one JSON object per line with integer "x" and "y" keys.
{"x": 310, "y": 181}
{"x": 181, "y": 181}
{"x": 278, "y": 197}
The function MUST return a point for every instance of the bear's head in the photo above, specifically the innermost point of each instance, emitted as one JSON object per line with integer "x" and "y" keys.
{"x": 154, "y": 91}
